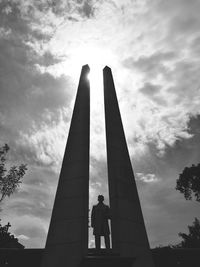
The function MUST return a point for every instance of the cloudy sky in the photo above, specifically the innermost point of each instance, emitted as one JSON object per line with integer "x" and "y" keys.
{"x": 153, "y": 48}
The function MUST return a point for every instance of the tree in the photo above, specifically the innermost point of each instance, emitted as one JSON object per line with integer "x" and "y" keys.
{"x": 191, "y": 240}
{"x": 9, "y": 179}
{"x": 6, "y": 239}
{"x": 188, "y": 182}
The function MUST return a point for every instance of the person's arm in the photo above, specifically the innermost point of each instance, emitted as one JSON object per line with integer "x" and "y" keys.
{"x": 108, "y": 213}
{"x": 92, "y": 218}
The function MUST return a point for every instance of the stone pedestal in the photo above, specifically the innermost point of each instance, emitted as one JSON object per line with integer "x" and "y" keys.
{"x": 129, "y": 237}
{"x": 67, "y": 240}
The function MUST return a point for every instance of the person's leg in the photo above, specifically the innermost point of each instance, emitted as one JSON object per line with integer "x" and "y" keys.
{"x": 107, "y": 241}
{"x": 97, "y": 242}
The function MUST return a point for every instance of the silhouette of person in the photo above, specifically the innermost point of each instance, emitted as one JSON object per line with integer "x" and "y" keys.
{"x": 99, "y": 222}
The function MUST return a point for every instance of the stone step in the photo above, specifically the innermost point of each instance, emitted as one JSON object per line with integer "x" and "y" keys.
{"x": 106, "y": 261}
{"x": 101, "y": 252}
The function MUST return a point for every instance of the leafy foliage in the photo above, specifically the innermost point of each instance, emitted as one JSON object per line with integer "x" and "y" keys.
{"x": 9, "y": 179}
{"x": 6, "y": 239}
{"x": 191, "y": 240}
{"x": 188, "y": 182}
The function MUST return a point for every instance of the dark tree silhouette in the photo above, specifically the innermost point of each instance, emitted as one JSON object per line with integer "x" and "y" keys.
{"x": 188, "y": 182}
{"x": 6, "y": 239}
{"x": 9, "y": 179}
{"x": 191, "y": 240}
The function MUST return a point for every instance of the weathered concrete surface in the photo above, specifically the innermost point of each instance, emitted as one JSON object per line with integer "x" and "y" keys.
{"x": 67, "y": 240}
{"x": 129, "y": 237}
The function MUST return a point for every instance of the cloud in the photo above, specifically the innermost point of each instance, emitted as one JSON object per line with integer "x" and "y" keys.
{"x": 166, "y": 74}
{"x": 22, "y": 237}
{"x": 35, "y": 195}
{"x": 22, "y": 81}
{"x": 147, "y": 178}
{"x": 86, "y": 8}
{"x": 98, "y": 179}
{"x": 30, "y": 208}
{"x": 151, "y": 65}
{"x": 30, "y": 230}
{"x": 183, "y": 15}
{"x": 33, "y": 230}
{"x": 195, "y": 46}
{"x": 152, "y": 91}
{"x": 32, "y": 100}
{"x": 165, "y": 211}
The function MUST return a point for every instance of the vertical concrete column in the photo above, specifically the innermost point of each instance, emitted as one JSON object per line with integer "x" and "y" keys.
{"x": 67, "y": 240}
{"x": 129, "y": 237}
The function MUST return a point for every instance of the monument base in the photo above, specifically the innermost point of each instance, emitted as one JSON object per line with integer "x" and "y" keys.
{"x": 106, "y": 258}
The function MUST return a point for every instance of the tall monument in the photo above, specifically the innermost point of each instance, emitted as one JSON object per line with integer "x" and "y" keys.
{"x": 129, "y": 237}
{"x": 67, "y": 240}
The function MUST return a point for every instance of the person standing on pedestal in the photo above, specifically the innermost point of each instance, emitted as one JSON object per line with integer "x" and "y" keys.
{"x": 99, "y": 222}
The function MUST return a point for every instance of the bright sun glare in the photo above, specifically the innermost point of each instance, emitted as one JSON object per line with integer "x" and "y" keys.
{"x": 97, "y": 59}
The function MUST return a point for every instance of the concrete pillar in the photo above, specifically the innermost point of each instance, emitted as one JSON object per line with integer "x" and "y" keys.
{"x": 67, "y": 240}
{"x": 129, "y": 237}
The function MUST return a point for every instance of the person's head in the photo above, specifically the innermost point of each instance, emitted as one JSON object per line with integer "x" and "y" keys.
{"x": 100, "y": 198}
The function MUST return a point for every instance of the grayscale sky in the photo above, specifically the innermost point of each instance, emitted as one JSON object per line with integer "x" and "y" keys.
{"x": 153, "y": 48}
